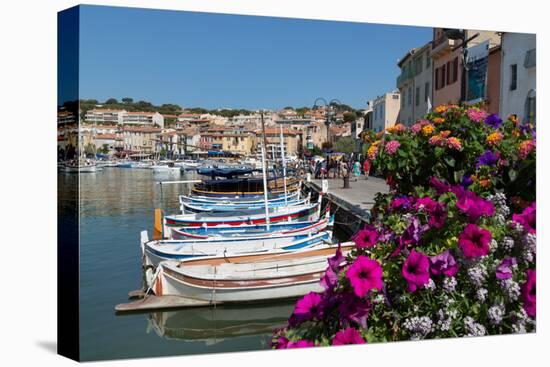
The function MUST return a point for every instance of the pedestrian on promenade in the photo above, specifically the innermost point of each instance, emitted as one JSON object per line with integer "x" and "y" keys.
{"x": 356, "y": 170}
{"x": 366, "y": 169}
{"x": 324, "y": 169}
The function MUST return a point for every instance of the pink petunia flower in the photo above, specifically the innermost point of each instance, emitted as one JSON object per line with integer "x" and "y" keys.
{"x": 529, "y": 293}
{"x": 365, "y": 274}
{"x": 474, "y": 241}
{"x": 308, "y": 307}
{"x": 300, "y": 344}
{"x": 348, "y": 336}
{"x": 366, "y": 237}
{"x": 527, "y": 218}
{"x": 416, "y": 270}
{"x": 444, "y": 264}
{"x": 474, "y": 206}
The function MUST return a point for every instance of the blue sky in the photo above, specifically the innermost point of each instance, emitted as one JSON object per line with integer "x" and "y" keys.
{"x": 215, "y": 60}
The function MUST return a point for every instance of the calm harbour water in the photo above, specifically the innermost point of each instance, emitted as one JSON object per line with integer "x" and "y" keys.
{"x": 116, "y": 204}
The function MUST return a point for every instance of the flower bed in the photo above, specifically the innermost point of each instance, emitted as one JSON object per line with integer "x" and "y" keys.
{"x": 450, "y": 251}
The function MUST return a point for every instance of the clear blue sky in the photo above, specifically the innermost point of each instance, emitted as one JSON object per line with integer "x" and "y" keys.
{"x": 214, "y": 60}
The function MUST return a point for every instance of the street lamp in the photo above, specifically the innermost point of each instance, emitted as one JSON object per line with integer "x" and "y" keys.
{"x": 460, "y": 34}
{"x": 329, "y": 111}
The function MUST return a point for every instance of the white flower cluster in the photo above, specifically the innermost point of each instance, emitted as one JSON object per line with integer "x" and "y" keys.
{"x": 507, "y": 244}
{"x": 481, "y": 294}
{"x": 529, "y": 248}
{"x": 502, "y": 211}
{"x": 430, "y": 285}
{"x": 510, "y": 288}
{"x": 449, "y": 284}
{"x": 473, "y": 328}
{"x": 477, "y": 274}
{"x": 445, "y": 318}
{"x": 495, "y": 314}
{"x": 418, "y": 327}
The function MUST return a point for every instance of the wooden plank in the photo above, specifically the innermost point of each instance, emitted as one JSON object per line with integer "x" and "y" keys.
{"x": 163, "y": 302}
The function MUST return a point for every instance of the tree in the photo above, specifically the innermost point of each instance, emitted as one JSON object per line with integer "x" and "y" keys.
{"x": 350, "y": 117}
{"x": 111, "y": 101}
{"x": 104, "y": 149}
{"x": 127, "y": 100}
{"x": 345, "y": 145}
{"x": 289, "y": 108}
{"x": 302, "y": 110}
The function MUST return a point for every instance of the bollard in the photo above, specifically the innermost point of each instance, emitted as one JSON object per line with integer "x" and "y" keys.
{"x": 346, "y": 182}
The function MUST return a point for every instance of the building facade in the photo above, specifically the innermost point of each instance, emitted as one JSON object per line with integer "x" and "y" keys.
{"x": 415, "y": 84}
{"x": 518, "y": 76}
{"x": 385, "y": 111}
{"x": 447, "y": 63}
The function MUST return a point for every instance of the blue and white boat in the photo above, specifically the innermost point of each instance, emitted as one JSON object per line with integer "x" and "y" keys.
{"x": 253, "y": 230}
{"x": 156, "y": 251}
{"x": 229, "y": 207}
{"x": 239, "y": 200}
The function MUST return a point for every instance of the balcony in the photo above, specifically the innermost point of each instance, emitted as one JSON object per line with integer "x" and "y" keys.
{"x": 404, "y": 77}
{"x": 441, "y": 46}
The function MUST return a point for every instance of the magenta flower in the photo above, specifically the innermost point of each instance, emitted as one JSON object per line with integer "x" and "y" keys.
{"x": 300, "y": 344}
{"x": 366, "y": 237}
{"x": 438, "y": 215}
{"x": 308, "y": 307}
{"x": 401, "y": 202}
{"x": 392, "y": 146}
{"x": 444, "y": 263}
{"x": 439, "y": 186}
{"x": 348, "y": 336}
{"x": 529, "y": 293}
{"x": 527, "y": 218}
{"x": 364, "y": 274}
{"x": 282, "y": 343}
{"x": 335, "y": 261}
{"x": 351, "y": 308}
{"x": 329, "y": 279}
{"x": 474, "y": 206}
{"x": 416, "y": 270}
{"x": 504, "y": 269}
{"x": 474, "y": 241}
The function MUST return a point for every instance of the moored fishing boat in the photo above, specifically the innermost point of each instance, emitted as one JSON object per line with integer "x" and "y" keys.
{"x": 229, "y": 207}
{"x": 309, "y": 212}
{"x": 240, "y": 200}
{"x": 255, "y": 230}
{"x": 156, "y": 251}
{"x": 246, "y": 278}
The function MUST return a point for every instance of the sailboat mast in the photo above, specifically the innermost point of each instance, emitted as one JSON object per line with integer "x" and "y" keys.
{"x": 283, "y": 161}
{"x": 264, "y": 147}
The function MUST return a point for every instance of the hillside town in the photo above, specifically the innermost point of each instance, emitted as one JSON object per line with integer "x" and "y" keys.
{"x": 495, "y": 69}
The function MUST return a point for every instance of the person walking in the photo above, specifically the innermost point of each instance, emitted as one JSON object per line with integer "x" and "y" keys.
{"x": 356, "y": 170}
{"x": 366, "y": 168}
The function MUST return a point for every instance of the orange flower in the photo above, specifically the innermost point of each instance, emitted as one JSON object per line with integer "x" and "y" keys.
{"x": 454, "y": 143}
{"x": 484, "y": 183}
{"x": 441, "y": 108}
{"x": 494, "y": 138}
{"x": 372, "y": 151}
{"x": 445, "y": 133}
{"x": 427, "y": 130}
{"x": 397, "y": 128}
{"x": 438, "y": 120}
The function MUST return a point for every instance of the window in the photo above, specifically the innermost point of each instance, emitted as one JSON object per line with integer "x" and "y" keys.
{"x": 513, "y": 76}
{"x": 426, "y": 91}
{"x": 448, "y": 72}
{"x": 442, "y": 77}
{"x": 409, "y": 96}
{"x": 455, "y": 70}
{"x": 437, "y": 78}
{"x": 531, "y": 107}
{"x": 428, "y": 60}
{"x": 417, "y": 96}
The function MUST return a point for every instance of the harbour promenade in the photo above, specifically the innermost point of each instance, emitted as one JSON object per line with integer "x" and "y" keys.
{"x": 352, "y": 204}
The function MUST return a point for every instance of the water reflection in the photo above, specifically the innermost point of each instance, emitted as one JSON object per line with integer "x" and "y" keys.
{"x": 216, "y": 324}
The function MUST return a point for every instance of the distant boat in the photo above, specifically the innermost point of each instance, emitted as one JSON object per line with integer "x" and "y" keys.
{"x": 80, "y": 166}
{"x": 246, "y": 278}
{"x": 170, "y": 169}
{"x": 156, "y": 251}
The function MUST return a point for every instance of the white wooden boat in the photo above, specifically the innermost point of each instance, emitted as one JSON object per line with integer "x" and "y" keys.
{"x": 246, "y": 278}
{"x": 237, "y": 200}
{"x": 166, "y": 169}
{"x": 156, "y": 251}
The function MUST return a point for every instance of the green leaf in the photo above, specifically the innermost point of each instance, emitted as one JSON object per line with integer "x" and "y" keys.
{"x": 450, "y": 161}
